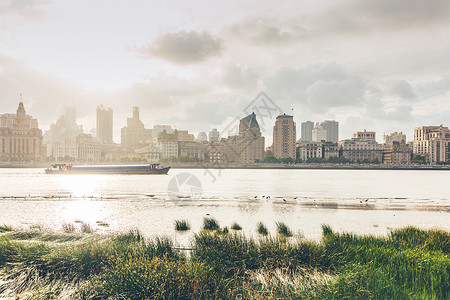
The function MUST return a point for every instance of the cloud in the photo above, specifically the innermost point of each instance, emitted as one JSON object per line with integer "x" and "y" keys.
{"x": 264, "y": 31}
{"x": 402, "y": 89}
{"x": 323, "y": 95}
{"x": 23, "y": 8}
{"x": 239, "y": 77}
{"x": 184, "y": 47}
{"x": 43, "y": 94}
{"x": 361, "y": 16}
{"x": 304, "y": 86}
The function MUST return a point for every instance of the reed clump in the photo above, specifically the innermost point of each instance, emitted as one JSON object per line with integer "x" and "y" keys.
{"x": 262, "y": 229}
{"x": 284, "y": 230}
{"x": 236, "y": 226}
{"x": 408, "y": 263}
{"x": 210, "y": 224}
{"x": 182, "y": 225}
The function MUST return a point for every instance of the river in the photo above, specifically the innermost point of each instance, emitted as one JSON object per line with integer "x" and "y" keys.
{"x": 360, "y": 201}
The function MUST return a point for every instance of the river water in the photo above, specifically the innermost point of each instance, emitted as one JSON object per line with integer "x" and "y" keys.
{"x": 360, "y": 201}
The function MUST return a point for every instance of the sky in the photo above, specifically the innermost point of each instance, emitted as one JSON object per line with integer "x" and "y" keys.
{"x": 380, "y": 65}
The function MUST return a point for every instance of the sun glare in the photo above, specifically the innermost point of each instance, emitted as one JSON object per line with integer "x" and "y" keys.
{"x": 83, "y": 186}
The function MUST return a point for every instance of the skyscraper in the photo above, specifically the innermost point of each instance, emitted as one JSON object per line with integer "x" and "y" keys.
{"x": 135, "y": 135}
{"x": 332, "y": 128}
{"x": 284, "y": 137}
{"x": 307, "y": 128}
{"x": 104, "y": 124}
{"x": 319, "y": 133}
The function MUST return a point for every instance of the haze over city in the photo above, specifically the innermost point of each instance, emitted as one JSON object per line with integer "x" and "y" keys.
{"x": 375, "y": 65}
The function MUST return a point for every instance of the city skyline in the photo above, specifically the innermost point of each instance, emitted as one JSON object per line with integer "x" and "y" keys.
{"x": 70, "y": 114}
{"x": 376, "y": 65}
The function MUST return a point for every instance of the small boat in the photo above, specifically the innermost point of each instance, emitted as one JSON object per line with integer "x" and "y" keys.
{"x": 120, "y": 169}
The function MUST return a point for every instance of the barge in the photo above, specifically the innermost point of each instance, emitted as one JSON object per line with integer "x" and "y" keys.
{"x": 119, "y": 169}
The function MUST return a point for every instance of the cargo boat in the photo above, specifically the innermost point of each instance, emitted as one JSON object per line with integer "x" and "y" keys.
{"x": 120, "y": 169}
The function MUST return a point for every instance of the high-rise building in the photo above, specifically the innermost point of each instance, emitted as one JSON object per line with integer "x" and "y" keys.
{"x": 134, "y": 135}
{"x": 214, "y": 135}
{"x": 307, "y": 128}
{"x": 433, "y": 142}
{"x": 332, "y": 129}
{"x": 364, "y": 135}
{"x": 319, "y": 133}
{"x": 104, "y": 124}
{"x": 70, "y": 114}
{"x": 20, "y": 136}
{"x": 247, "y": 146}
{"x": 64, "y": 129}
{"x": 284, "y": 137}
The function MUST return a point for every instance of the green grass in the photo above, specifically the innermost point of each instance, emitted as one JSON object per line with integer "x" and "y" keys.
{"x": 262, "y": 229}
{"x": 408, "y": 263}
{"x": 284, "y": 230}
{"x": 210, "y": 224}
{"x": 5, "y": 228}
{"x": 182, "y": 225}
{"x": 236, "y": 226}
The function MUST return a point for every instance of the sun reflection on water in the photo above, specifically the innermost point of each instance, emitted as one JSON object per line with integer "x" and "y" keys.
{"x": 84, "y": 186}
{"x": 85, "y": 193}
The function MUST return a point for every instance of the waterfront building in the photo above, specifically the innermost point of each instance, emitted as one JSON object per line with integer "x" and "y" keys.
{"x": 330, "y": 149}
{"x": 214, "y": 135}
{"x": 332, "y": 129}
{"x": 307, "y": 150}
{"x": 247, "y": 146}
{"x": 307, "y": 128}
{"x": 394, "y": 137}
{"x": 214, "y": 153}
{"x": 151, "y": 153}
{"x": 433, "y": 142}
{"x": 319, "y": 133}
{"x": 89, "y": 149}
{"x": 396, "y": 153}
{"x": 134, "y": 135}
{"x": 20, "y": 136}
{"x": 284, "y": 137}
{"x": 104, "y": 124}
{"x": 364, "y": 135}
{"x": 191, "y": 149}
{"x": 358, "y": 149}
{"x": 66, "y": 150}
{"x": 202, "y": 137}
{"x": 168, "y": 144}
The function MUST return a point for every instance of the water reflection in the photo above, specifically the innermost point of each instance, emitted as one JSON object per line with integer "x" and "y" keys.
{"x": 83, "y": 185}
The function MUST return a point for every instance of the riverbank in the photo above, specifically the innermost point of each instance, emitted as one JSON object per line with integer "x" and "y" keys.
{"x": 77, "y": 263}
{"x": 304, "y": 166}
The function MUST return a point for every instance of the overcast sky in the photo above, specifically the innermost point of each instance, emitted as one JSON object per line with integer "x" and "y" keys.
{"x": 379, "y": 65}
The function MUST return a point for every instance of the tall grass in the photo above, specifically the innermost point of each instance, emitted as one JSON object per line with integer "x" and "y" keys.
{"x": 210, "y": 224}
{"x": 284, "y": 230}
{"x": 409, "y": 263}
{"x": 236, "y": 226}
{"x": 262, "y": 229}
{"x": 182, "y": 225}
